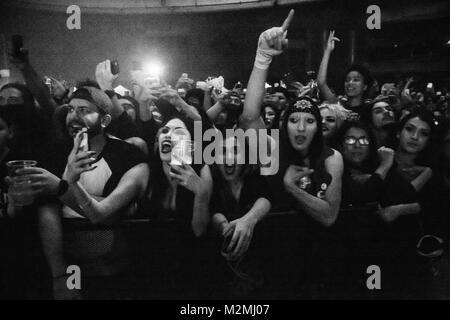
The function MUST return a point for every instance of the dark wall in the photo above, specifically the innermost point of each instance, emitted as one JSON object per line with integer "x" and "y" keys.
{"x": 199, "y": 44}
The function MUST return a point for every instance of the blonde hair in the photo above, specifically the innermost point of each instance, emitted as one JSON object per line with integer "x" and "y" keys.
{"x": 339, "y": 111}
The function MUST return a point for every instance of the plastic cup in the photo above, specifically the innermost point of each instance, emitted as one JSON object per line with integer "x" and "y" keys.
{"x": 5, "y": 73}
{"x": 182, "y": 151}
{"x": 20, "y": 191}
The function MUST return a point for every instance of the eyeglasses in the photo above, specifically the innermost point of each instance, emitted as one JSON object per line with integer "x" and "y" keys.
{"x": 363, "y": 141}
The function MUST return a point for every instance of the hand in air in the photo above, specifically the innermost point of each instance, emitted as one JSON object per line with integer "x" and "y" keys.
{"x": 104, "y": 76}
{"x": 272, "y": 42}
{"x": 331, "y": 41}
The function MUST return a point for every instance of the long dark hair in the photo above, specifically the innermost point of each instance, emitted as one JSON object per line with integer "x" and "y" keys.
{"x": 159, "y": 182}
{"x": 287, "y": 152}
{"x": 426, "y": 156}
{"x": 369, "y": 164}
{"x": 222, "y": 192}
{"x": 276, "y": 119}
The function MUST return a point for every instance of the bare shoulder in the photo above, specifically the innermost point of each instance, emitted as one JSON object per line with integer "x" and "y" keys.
{"x": 334, "y": 162}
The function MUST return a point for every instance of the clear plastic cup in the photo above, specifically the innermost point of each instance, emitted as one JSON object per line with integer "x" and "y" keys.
{"x": 5, "y": 73}
{"x": 182, "y": 151}
{"x": 20, "y": 191}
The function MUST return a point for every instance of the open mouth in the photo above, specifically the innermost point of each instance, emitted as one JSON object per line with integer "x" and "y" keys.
{"x": 74, "y": 128}
{"x": 300, "y": 139}
{"x": 166, "y": 146}
{"x": 324, "y": 128}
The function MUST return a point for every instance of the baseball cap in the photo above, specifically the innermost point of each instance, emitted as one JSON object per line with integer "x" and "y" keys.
{"x": 95, "y": 96}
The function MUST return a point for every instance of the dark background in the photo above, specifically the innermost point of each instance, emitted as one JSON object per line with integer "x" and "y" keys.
{"x": 412, "y": 39}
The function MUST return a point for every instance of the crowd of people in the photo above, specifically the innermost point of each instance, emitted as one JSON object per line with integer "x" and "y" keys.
{"x": 362, "y": 179}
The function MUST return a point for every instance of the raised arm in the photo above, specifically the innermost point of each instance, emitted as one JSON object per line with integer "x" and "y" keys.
{"x": 106, "y": 80}
{"x": 145, "y": 99}
{"x": 35, "y": 83}
{"x": 323, "y": 69}
{"x": 174, "y": 99}
{"x": 270, "y": 44}
{"x": 208, "y": 96}
{"x": 215, "y": 110}
{"x": 405, "y": 97}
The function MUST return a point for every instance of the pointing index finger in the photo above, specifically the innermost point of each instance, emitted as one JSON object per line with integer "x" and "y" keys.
{"x": 288, "y": 20}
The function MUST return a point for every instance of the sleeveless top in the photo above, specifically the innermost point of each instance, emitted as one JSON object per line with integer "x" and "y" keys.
{"x": 320, "y": 181}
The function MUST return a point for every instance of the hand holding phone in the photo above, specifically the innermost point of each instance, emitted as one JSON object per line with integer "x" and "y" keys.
{"x": 84, "y": 144}
{"x": 115, "y": 67}
{"x": 19, "y": 55}
{"x": 17, "y": 46}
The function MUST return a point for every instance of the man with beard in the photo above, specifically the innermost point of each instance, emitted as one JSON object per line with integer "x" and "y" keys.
{"x": 380, "y": 117}
{"x": 99, "y": 184}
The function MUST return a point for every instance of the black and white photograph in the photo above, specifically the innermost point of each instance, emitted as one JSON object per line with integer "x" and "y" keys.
{"x": 224, "y": 155}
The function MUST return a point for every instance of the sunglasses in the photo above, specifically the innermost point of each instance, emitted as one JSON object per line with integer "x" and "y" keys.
{"x": 363, "y": 141}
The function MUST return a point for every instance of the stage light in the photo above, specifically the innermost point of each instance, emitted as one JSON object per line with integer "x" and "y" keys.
{"x": 448, "y": 43}
{"x": 153, "y": 68}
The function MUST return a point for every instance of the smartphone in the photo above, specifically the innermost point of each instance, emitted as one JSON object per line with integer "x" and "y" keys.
{"x": 17, "y": 45}
{"x": 84, "y": 144}
{"x": 115, "y": 67}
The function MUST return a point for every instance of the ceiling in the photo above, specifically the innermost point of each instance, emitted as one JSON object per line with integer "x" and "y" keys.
{"x": 150, "y": 6}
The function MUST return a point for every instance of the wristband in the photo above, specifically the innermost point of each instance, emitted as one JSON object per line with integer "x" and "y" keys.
{"x": 263, "y": 59}
{"x": 264, "y": 53}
